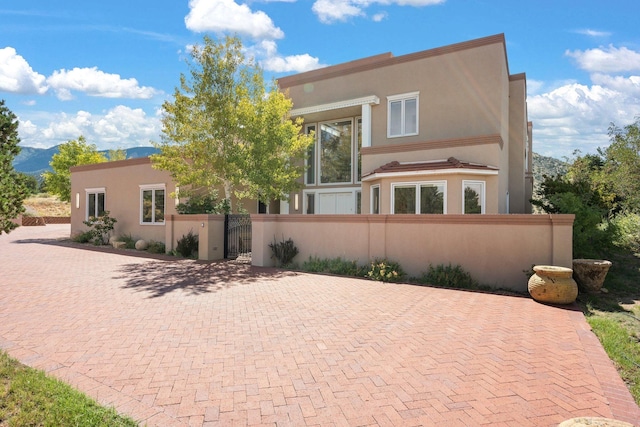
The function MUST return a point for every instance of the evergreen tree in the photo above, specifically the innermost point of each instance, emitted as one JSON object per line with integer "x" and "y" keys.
{"x": 12, "y": 188}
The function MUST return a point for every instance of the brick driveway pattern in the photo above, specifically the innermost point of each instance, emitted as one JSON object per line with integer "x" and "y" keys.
{"x": 177, "y": 342}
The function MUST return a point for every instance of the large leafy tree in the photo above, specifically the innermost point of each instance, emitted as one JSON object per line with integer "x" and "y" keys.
{"x": 225, "y": 127}
{"x": 12, "y": 189}
{"x": 72, "y": 153}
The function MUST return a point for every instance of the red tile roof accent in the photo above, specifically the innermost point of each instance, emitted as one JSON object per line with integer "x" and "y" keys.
{"x": 450, "y": 163}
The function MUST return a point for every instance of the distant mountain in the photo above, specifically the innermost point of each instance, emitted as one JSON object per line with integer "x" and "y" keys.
{"x": 35, "y": 161}
{"x": 549, "y": 166}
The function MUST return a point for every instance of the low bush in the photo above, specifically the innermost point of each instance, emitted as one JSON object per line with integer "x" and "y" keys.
{"x": 156, "y": 247}
{"x": 626, "y": 227}
{"x": 449, "y": 276}
{"x": 283, "y": 251}
{"x": 128, "y": 240}
{"x": 384, "y": 270}
{"x": 187, "y": 245}
{"x": 338, "y": 266}
{"x": 100, "y": 227}
{"x": 84, "y": 237}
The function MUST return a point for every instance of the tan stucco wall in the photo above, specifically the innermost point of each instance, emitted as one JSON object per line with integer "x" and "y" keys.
{"x": 517, "y": 141}
{"x": 121, "y": 181}
{"x": 208, "y": 228}
{"x": 495, "y": 249}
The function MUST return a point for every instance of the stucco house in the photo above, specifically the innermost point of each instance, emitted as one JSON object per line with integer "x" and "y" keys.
{"x": 444, "y": 131}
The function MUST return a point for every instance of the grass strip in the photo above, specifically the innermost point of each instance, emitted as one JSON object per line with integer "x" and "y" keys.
{"x": 28, "y": 397}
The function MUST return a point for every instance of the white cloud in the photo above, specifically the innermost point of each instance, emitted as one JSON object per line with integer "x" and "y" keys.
{"x": 379, "y": 16}
{"x": 266, "y": 53}
{"x": 120, "y": 127}
{"x": 94, "y": 82}
{"x": 330, "y": 11}
{"x": 593, "y": 33}
{"x": 577, "y": 116}
{"x": 606, "y": 60}
{"x": 228, "y": 16}
{"x": 17, "y": 76}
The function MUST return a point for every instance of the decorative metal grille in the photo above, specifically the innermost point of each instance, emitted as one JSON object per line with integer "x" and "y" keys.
{"x": 237, "y": 237}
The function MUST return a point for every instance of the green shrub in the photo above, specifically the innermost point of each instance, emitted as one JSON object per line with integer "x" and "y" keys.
{"x": 129, "y": 241}
{"x": 187, "y": 245}
{"x": 338, "y": 266}
{"x": 626, "y": 227}
{"x": 154, "y": 247}
{"x": 84, "y": 237}
{"x": 283, "y": 251}
{"x": 449, "y": 276}
{"x": 100, "y": 227}
{"x": 384, "y": 270}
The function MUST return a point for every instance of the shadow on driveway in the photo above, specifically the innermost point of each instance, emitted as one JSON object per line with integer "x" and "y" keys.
{"x": 196, "y": 277}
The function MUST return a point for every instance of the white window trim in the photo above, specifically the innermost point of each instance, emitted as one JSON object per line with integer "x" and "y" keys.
{"x": 319, "y": 182}
{"x": 371, "y": 199}
{"x": 96, "y": 190}
{"x": 152, "y": 187}
{"x": 417, "y": 185}
{"x": 403, "y": 97}
{"x": 482, "y": 194}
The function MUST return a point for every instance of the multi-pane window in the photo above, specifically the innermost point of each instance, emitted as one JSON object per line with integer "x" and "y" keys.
{"x": 419, "y": 198}
{"x": 152, "y": 204}
{"x": 335, "y": 152}
{"x": 473, "y": 197}
{"x": 95, "y": 202}
{"x": 402, "y": 115}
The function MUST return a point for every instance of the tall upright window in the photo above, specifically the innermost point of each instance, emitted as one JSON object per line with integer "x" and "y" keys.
{"x": 310, "y": 202}
{"x": 359, "y": 148}
{"x": 474, "y": 197}
{"x": 402, "y": 115}
{"x": 375, "y": 199}
{"x": 310, "y": 176}
{"x": 335, "y": 152}
{"x": 419, "y": 198}
{"x": 95, "y": 202}
{"x": 152, "y": 204}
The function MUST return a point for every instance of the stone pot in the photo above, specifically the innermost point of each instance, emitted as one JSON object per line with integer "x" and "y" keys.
{"x": 590, "y": 274}
{"x": 552, "y": 284}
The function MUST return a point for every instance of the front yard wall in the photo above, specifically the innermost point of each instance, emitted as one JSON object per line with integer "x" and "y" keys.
{"x": 494, "y": 249}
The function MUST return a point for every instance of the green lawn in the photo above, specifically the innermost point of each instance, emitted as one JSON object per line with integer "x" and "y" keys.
{"x": 615, "y": 318}
{"x": 30, "y": 398}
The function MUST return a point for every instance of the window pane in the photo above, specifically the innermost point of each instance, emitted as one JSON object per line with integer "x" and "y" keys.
{"x": 472, "y": 202}
{"x": 375, "y": 202}
{"x": 431, "y": 199}
{"x": 410, "y": 116}
{"x": 92, "y": 205}
{"x": 311, "y": 159}
{"x": 100, "y": 204}
{"x": 311, "y": 198}
{"x": 395, "y": 118}
{"x": 404, "y": 200}
{"x": 335, "y": 152}
{"x": 159, "y": 213}
{"x": 147, "y": 206}
{"x": 358, "y": 202}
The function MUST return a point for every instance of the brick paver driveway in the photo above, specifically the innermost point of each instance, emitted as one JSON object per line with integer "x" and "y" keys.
{"x": 184, "y": 343}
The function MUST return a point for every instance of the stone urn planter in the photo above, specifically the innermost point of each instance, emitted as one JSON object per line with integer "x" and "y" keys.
{"x": 590, "y": 274}
{"x": 552, "y": 284}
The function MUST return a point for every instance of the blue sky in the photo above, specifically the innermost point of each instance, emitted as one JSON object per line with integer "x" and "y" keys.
{"x": 103, "y": 69}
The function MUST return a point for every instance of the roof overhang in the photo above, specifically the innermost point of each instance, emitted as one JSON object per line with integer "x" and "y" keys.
{"x": 371, "y": 100}
{"x": 452, "y": 171}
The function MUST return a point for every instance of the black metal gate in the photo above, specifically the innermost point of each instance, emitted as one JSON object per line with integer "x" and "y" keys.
{"x": 237, "y": 236}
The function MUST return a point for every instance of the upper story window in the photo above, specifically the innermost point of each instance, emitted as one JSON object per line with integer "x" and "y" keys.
{"x": 95, "y": 202}
{"x": 310, "y": 161}
{"x": 335, "y": 152}
{"x": 402, "y": 115}
{"x": 152, "y": 204}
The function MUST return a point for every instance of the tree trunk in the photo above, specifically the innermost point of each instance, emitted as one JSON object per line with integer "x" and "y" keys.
{"x": 227, "y": 194}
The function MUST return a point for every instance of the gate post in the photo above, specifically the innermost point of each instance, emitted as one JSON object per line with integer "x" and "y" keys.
{"x": 226, "y": 236}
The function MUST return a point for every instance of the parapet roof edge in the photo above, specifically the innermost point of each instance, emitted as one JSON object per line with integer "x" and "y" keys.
{"x": 386, "y": 59}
